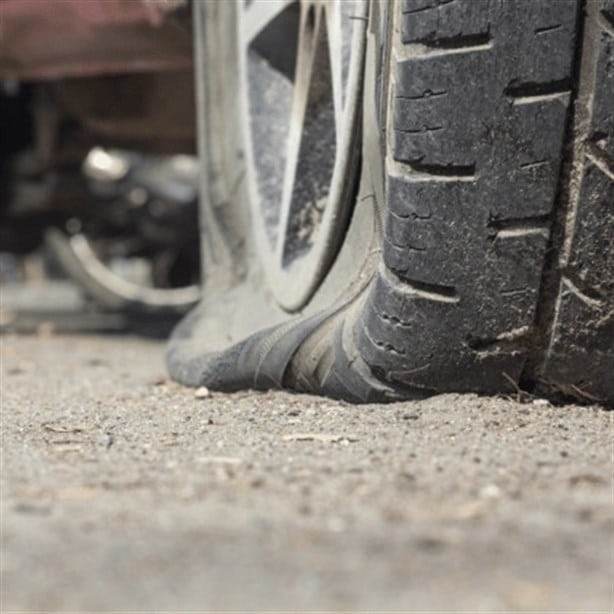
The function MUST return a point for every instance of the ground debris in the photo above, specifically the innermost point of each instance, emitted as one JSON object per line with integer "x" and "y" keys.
{"x": 321, "y": 437}
{"x": 586, "y": 478}
{"x": 159, "y": 380}
{"x": 222, "y": 460}
{"x": 53, "y": 428}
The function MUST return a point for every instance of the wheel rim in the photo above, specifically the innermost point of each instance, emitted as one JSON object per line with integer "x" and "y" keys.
{"x": 123, "y": 289}
{"x": 301, "y": 76}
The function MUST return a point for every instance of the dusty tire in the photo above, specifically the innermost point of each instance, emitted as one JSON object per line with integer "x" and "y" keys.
{"x": 480, "y": 251}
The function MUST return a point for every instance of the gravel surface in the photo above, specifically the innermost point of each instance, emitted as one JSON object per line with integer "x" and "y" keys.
{"x": 123, "y": 491}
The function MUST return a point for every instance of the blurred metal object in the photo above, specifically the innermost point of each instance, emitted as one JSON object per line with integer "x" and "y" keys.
{"x": 108, "y": 286}
{"x": 103, "y": 165}
{"x": 97, "y": 120}
{"x": 137, "y": 250}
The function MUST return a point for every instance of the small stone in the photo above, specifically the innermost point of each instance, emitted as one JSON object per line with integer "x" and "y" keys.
{"x": 541, "y": 402}
{"x": 491, "y": 491}
{"x": 336, "y": 524}
{"x": 106, "y": 440}
{"x": 202, "y": 393}
{"x": 472, "y": 510}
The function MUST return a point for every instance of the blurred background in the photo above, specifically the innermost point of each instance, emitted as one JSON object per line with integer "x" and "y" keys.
{"x": 98, "y": 174}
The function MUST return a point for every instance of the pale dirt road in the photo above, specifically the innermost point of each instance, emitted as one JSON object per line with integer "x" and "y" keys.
{"x": 122, "y": 491}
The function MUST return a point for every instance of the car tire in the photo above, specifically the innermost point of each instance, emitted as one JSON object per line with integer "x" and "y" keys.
{"x": 474, "y": 247}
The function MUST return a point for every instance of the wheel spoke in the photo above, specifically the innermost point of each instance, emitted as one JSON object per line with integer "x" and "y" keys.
{"x": 258, "y": 15}
{"x": 336, "y": 48}
{"x": 302, "y": 75}
{"x": 310, "y": 24}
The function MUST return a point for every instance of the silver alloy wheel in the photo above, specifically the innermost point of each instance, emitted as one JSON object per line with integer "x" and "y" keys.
{"x": 301, "y": 75}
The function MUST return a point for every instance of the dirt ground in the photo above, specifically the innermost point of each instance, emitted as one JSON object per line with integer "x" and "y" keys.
{"x": 122, "y": 491}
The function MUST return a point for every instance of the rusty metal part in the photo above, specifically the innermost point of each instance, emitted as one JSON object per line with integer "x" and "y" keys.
{"x": 154, "y": 112}
{"x": 52, "y": 39}
{"x": 167, "y": 5}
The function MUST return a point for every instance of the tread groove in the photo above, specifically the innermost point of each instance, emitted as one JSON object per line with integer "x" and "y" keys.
{"x": 511, "y": 337}
{"x": 385, "y": 346}
{"x": 513, "y": 223}
{"x": 562, "y": 95}
{"x": 429, "y": 291}
{"x": 405, "y": 172}
{"x": 422, "y": 51}
{"x": 426, "y": 95}
{"x": 546, "y": 29}
{"x": 425, "y": 130}
{"x": 412, "y": 248}
{"x": 467, "y": 171}
{"x": 510, "y": 228}
{"x": 533, "y": 165}
{"x": 514, "y": 233}
{"x": 582, "y": 295}
{"x": 600, "y": 159}
{"x": 533, "y": 92}
{"x": 462, "y": 42}
{"x": 423, "y": 9}
{"x": 607, "y": 22}
{"x": 410, "y": 216}
{"x": 395, "y": 321}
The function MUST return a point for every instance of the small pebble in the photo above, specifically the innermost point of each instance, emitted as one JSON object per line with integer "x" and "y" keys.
{"x": 491, "y": 491}
{"x": 541, "y": 402}
{"x": 202, "y": 393}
